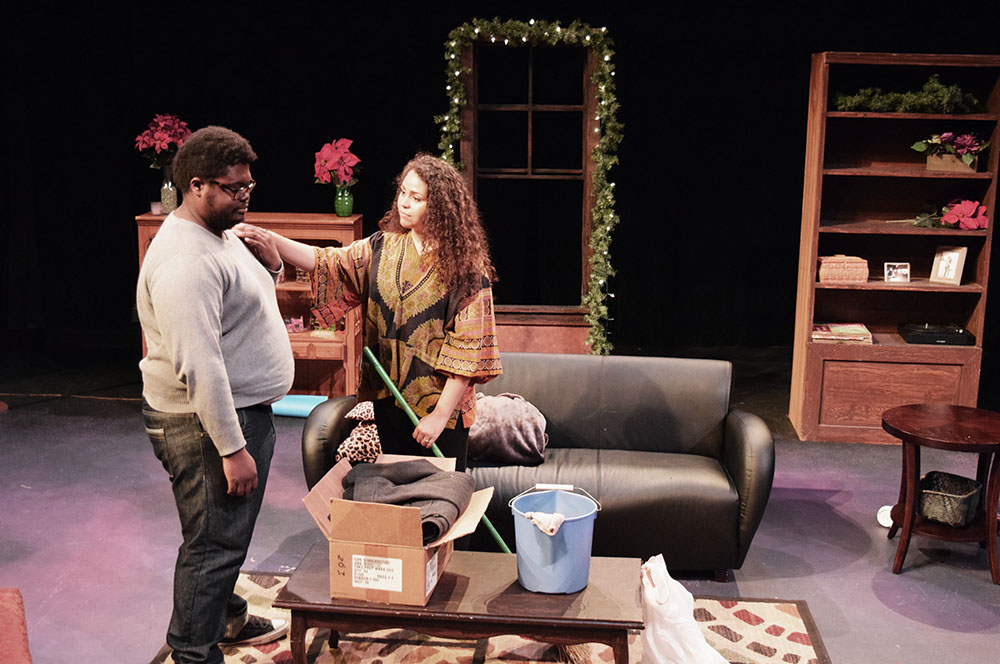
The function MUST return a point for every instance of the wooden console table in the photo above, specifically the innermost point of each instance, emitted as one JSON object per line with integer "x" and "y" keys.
{"x": 957, "y": 429}
{"x": 313, "y": 354}
{"x": 478, "y": 596}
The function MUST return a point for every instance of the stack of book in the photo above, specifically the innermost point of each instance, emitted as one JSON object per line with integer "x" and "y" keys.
{"x": 841, "y": 333}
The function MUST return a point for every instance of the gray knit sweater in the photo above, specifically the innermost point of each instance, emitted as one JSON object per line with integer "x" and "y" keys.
{"x": 215, "y": 336}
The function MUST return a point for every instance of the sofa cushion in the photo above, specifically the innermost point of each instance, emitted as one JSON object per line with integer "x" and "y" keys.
{"x": 647, "y": 491}
{"x": 639, "y": 492}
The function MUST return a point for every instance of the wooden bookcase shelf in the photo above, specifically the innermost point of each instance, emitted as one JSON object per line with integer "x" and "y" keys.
{"x": 860, "y": 174}
{"x": 869, "y": 115}
{"x": 880, "y": 227}
{"x": 915, "y": 284}
{"x": 901, "y": 171}
{"x": 325, "y": 362}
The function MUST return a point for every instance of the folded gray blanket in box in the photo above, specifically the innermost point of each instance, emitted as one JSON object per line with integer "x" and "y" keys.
{"x": 441, "y": 495}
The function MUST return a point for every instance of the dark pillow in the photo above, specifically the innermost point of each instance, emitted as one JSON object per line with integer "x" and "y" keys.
{"x": 508, "y": 431}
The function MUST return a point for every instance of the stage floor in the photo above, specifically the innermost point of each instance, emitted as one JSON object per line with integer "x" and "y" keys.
{"x": 90, "y": 532}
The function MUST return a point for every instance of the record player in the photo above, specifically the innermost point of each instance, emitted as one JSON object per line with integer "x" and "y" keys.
{"x": 943, "y": 334}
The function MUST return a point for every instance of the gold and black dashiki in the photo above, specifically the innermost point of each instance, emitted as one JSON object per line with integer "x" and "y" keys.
{"x": 420, "y": 332}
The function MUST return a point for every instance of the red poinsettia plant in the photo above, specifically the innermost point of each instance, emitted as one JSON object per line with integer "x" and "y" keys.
{"x": 963, "y": 214}
{"x": 161, "y": 139}
{"x": 335, "y": 164}
{"x": 967, "y": 215}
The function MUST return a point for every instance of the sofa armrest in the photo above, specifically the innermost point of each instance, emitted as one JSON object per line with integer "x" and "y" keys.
{"x": 748, "y": 456}
{"x": 324, "y": 430}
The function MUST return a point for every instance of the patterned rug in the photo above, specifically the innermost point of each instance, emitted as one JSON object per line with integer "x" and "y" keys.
{"x": 744, "y": 631}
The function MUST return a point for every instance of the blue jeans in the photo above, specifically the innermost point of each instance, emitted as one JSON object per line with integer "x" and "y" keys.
{"x": 216, "y": 527}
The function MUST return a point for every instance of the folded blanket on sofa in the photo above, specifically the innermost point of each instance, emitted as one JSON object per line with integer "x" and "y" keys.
{"x": 441, "y": 495}
{"x": 508, "y": 431}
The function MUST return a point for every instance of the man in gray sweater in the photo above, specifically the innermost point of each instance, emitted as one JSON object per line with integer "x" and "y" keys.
{"x": 218, "y": 356}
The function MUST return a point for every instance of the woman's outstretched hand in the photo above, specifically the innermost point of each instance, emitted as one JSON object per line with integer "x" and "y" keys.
{"x": 261, "y": 242}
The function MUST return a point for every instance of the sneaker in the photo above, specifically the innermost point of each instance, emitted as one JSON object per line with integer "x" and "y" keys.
{"x": 257, "y": 631}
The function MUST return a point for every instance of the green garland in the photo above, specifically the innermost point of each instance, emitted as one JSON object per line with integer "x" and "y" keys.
{"x": 934, "y": 97}
{"x": 603, "y": 217}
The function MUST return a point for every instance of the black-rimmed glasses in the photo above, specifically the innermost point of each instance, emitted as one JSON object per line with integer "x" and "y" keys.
{"x": 235, "y": 190}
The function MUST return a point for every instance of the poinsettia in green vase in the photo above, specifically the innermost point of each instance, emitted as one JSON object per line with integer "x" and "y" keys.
{"x": 335, "y": 165}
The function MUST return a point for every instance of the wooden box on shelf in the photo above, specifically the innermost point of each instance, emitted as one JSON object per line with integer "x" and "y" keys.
{"x": 326, "y": 362}
{"x": 860, "y": 173}
{"x": 950, "y": 162}
{"x": 851, "y": 269}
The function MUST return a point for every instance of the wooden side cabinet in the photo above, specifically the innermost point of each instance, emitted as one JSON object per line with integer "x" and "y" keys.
{"x": 859, "y": 173}
{"x": 325, "y": 362}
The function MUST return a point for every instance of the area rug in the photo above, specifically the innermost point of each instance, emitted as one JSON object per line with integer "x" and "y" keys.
{"x": 744, "y": 631}
{"x": 760, "y": 631}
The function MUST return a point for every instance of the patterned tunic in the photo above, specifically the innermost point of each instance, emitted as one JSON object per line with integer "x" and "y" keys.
{"x": 421, "y": 333}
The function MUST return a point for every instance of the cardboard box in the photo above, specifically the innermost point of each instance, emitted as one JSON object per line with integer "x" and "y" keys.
{"x": 377, "y": 552}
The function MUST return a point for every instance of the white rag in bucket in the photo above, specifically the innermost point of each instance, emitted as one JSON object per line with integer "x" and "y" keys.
{"x": 671, "y": 635}
{"x": 547, "y": 523}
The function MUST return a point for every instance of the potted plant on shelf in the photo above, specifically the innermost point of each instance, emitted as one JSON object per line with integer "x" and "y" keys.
{"x": 335, "y": 164}
{"x": 159, "y": 144}
{"x": 950, "y": 152}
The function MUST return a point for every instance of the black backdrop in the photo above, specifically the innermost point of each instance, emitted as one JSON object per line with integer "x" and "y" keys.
{"x": 709, "y": 186}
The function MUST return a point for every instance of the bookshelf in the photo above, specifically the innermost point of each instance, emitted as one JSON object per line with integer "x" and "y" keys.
{"x": 860, "y": 173}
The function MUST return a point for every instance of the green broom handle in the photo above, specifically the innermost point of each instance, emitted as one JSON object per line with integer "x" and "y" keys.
{"x": 370, "y": 356}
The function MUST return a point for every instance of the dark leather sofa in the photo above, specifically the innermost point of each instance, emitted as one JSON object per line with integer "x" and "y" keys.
{"x": 654, "y": 440}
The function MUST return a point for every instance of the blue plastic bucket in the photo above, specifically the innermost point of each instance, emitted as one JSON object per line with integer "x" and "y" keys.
{"x": 557, "y": 563}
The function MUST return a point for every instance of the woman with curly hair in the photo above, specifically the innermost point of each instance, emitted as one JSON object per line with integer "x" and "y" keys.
{"x": 425, "y": 280}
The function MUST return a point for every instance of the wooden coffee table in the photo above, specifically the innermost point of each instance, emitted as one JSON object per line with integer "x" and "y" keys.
{"x": 478, "y": 596}
{"x": 958, "y": 429}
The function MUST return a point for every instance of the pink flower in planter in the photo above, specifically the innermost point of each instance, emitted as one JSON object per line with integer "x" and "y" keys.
{"x": 336, "y": 159}
{"x": 966, "y": 146}
{"x": 966, "y": 143}
{"x": 969, "y": 215}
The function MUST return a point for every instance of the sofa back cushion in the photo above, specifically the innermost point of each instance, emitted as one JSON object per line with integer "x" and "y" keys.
{"x": 654, "y": 404}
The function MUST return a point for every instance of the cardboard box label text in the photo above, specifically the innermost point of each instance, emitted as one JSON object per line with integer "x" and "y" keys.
{"x": 377, "y": 573}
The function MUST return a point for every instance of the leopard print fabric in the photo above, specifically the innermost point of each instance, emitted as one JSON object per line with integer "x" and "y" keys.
{"x": 362, "y": 445}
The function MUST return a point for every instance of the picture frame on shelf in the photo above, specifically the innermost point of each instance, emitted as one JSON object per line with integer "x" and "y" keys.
{"x": 897, "y": 272}
{"x": 948, "y": 265}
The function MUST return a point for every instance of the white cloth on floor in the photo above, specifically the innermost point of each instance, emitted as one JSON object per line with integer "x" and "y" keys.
{"x": 671, "y": 635}
{"x": 545, "y": 522}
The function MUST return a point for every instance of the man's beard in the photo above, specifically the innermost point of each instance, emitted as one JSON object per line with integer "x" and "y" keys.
{"x": 219, "y": 222}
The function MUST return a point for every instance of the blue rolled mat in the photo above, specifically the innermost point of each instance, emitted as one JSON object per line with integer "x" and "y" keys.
{"x": 297, "y": 405}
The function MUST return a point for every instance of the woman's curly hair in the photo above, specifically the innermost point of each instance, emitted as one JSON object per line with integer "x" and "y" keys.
{"x": 451, "y": 224}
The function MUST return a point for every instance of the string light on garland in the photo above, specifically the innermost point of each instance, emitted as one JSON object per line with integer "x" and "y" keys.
{"x": 609, "y": 131}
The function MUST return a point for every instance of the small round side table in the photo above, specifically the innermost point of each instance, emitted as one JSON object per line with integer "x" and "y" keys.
{"x": 956, "y": 429}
